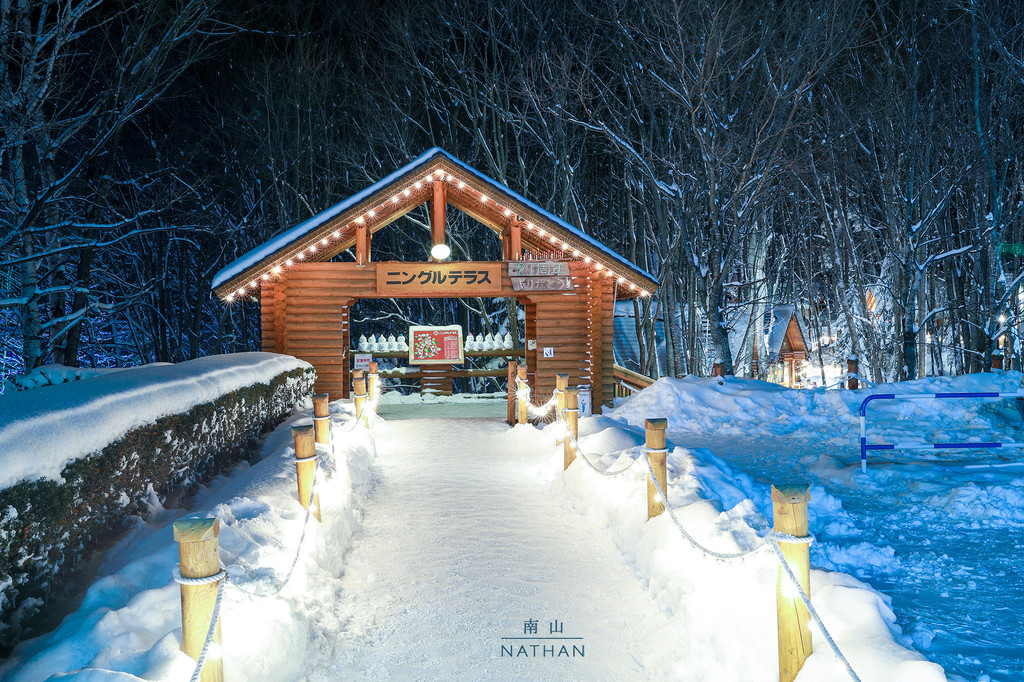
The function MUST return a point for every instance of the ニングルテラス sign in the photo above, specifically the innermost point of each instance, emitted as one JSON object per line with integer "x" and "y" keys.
{"x": 439, "y": 279}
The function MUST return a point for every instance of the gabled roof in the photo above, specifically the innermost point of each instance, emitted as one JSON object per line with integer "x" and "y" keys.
{"x": 332, "y": 231}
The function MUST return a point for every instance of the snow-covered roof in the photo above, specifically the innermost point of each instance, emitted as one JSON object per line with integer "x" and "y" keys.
{"x": 376, "y": 205}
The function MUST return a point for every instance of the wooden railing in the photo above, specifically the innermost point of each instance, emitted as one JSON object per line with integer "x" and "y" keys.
{"x": 628, "y": 382}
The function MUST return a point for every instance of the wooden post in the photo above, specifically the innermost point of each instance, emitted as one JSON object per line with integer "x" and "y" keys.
{"x": 512, "y": 365}
{"x": 199, "y": 557}
{"x": 362, "y": 245}
{"x": 521, "y": 416}
{"x": 321, "y": 419}
{"x": 438, "y": 207}
{"x": 372, "y": 381}
{"x": 789, "y": 503}
{"x": 515, "y": 241}
{"x": 572, "y": 416}
{"x": 716, "y": 369}
{"x": 852, "y": 368}
{"x": 561, "y": 383}
{"x": 359, "y": 395}
{"x": 997, "y": 359}
{"x": 656, "y": 441}
{"x": 305, "y": 466}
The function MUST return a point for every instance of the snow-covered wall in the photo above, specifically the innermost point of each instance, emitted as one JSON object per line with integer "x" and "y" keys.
{"x": 77, "y": 459}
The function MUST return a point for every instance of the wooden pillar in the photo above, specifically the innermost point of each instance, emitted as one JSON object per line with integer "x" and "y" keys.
{"x": 521, "y": 396}
{"x": 321, "y": 418}
{"x": 655, "y": 429}
{"x": 789, "y": 503}
{"x": 572, "y": 404}
{"x": 362, "y": 244}
{"x": 438, "y": 208}
{"x": 716, "y": 369}
{"x": 305, "y": 466}
{"x": 511, "y": 417}
{"x": 997, "y": 359}
{"x": 852, "y": 368}
{"x": 199, "y": 557}
{"x": 515, "y": 242}
{"x": 373, "y": 381}
{"x": 359, "y": 396}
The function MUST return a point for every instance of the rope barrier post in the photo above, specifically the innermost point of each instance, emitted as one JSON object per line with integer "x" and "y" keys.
{"x": 522, "y": 395}
{"x": 852, "y": 369}
{"x": 572, "y": 423}
{"x": 717, "y": 369}
{"x": 321, "y": 418}
{"x": 997, "y": 359}
{"x": 789, "y": 503}
{"x": 656, "y": 453}
{"x": 199, "y": 557}
{"x": 511, "y": 419}
{"x": 372, "y": 379}
{"x": 561, "y": 383}
{"x": 359, "y": 395}
{"x": 305, "y": 466}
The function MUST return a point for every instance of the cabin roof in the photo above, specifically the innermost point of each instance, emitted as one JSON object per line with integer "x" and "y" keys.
{"x": 332, "y": 231}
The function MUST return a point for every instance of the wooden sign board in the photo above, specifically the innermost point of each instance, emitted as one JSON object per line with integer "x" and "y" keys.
{"x": 538, "y": 268}
{"x": 438, "y": 279}
{"x": 436, "y": 345}
{"x": 539, "y": 275}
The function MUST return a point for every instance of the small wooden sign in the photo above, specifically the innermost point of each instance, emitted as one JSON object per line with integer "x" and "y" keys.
{"x": 539, "y": 275}
{"x": 362, "y": 361}
{"x": 436, "y": 345}
{"x": 538, "y": 268}
{"x": 445, "y": 279}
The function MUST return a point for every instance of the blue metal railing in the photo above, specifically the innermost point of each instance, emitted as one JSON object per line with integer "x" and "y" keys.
{"x": 864, "y": 446}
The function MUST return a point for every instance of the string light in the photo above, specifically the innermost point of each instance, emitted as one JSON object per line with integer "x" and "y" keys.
{"x": 406, "y": 192}
{"x": 323, "y": 242}
{"x": 508, "y": 212}
{"x": 418, "y": 185}
{"x": 359, "y": 220}
{"x": 461, "y": 184}
{"x": 288, "y": 263}
{"x": 336, "y": 234}
{"x": 531, "y": 226}
{"x": 372, "y": 213}
{"x": 394, "y": 199}
{"x": 483, "y": 198}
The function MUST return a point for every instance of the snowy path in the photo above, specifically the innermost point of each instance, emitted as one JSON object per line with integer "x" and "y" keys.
{"x": 953, "y": 548}
{"x": 462, "y": 543}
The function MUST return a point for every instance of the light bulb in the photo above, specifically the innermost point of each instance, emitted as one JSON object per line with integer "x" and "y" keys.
{"x": 440, "y": 251}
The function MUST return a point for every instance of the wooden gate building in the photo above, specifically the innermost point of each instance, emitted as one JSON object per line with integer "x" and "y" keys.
{"x": 305, "y": 298}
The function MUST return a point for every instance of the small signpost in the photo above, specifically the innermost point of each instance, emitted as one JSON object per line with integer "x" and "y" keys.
{"x": 436, "y": 345}
{"x": 535, "y": 275}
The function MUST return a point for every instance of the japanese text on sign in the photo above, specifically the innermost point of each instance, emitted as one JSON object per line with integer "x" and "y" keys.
{"x": 453, "y": 279}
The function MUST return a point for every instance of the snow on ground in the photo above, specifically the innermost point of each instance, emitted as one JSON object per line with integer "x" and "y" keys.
{"x": 62, "y": 423}
{"x": 455, "y": 535}
{"x": 940, "y": 532}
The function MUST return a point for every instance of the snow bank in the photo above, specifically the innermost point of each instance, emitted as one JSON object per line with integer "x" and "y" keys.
{"x": 42, "y": 430}
{"x": 731, "y": 405}
{"x": 129, "y": 624}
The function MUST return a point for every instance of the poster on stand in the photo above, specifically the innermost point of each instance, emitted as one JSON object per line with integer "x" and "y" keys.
{"x": 436, "y": 345}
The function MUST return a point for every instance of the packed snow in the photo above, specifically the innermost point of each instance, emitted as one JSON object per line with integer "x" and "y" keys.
{"x": 44, "y": 429}
{"x": 443, "y": 536}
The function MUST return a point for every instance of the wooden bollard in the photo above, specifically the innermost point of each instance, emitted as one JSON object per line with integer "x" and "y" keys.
{"x": 305, "y": 466}
{"x": 372, "y": 381}
{"x": 561, "y": 383}
{"x": 852, "y": 370}
{"x": 512, "y": 392}
{"x": 572, "y": 423}
{"x": 321, "y": 418}
{"x": 717, "y": 369}
{"x": 789, "y": 503}
{"x": 521, "y": 414}
{"x": 199, "y": 557}
{"x": 997, "y": 359}
{"x": 656, "y": 441}
{"x": 359, "y": 395}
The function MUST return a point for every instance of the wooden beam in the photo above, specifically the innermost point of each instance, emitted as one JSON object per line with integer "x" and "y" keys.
{"x": 362, "y": 245}
{"x": 515, "y": 240}
{"x": 438, "y": 207}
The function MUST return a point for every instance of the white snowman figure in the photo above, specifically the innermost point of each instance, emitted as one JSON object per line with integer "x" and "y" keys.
{"x": 392, "y": 344}
{"x": 402, "y": 345}
{"x": 363, "y": 343}
{"x": 488, "y": 342}
{"x": 508, "y": 340}
{"x": 372, "y": 343}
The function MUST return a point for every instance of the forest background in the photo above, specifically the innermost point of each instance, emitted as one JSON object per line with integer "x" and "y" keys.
{"x": 857, "y": 158}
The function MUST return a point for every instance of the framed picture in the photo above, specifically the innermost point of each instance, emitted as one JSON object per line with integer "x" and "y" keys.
{"x": 436, "y": 345}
